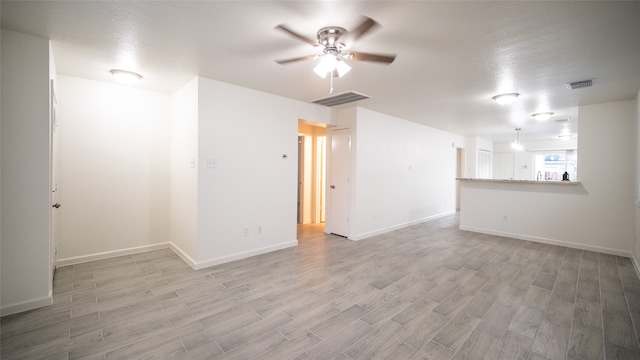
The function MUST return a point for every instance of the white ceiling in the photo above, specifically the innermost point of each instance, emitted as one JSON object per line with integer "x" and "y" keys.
{"x": 452, "y": 57}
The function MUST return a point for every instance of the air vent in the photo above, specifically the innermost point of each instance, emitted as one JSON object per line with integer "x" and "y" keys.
{"x": 342, "y": 98}
{"x": 579, "y": 84}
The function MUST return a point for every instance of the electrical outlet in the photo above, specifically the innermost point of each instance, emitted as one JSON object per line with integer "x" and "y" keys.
{"x": 245, "y": 231}
{"x": 259, "y": 229}
{"x": 505, "y": 218}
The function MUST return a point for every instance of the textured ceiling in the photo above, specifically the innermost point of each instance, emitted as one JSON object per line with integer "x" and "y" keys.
{"x": 452, "y": 57}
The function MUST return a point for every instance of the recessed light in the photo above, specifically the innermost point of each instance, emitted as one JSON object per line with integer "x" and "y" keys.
{"x": 505, "y": 99}
{"x": 126, "y": 77}
{"x": 543, "y": 116}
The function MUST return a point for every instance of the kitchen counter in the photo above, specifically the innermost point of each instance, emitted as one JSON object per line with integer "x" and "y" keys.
{"x": 507, "y": 181}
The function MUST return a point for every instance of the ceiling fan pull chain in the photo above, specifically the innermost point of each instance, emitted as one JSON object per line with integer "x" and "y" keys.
{"x": 331, "y": 84}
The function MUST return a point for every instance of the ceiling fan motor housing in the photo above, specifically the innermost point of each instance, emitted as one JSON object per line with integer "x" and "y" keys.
{"x": 329, "y": 36}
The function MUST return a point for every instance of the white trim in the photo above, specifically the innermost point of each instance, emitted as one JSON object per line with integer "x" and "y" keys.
{"x": 112, "y": 254}
{"x": 635, "y": 266}
{"x": 400, "y": 226}
{"x": 550, "y": 241}
{"x": 186, "y": 258}
{"x": 26, "y": 305}
{"x": 242, "y": 255}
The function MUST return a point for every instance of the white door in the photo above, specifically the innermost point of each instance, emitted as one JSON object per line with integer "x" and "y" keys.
{"x": 339, "y": 184}
{"x": 504, "y": 166}
{"x": 53, "y": 242}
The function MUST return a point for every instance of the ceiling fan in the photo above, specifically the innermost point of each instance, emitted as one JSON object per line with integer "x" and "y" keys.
{"x": 334, "y": 42}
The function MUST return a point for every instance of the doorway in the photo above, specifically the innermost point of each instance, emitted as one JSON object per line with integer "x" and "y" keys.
{"x": 311, "y": 173}
{"x": 53, "y": 166}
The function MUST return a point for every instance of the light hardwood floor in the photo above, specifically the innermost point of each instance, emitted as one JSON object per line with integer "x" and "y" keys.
{"x": 429, "y": 291}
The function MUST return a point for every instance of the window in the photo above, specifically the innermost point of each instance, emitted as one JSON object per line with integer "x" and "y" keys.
{"x": 551, "y": 165}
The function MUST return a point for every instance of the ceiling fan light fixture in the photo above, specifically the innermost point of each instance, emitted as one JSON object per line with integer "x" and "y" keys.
{"x": 328, "y": 64}
{"x": 125, "y": 77}
{"x": 543, "y": 116}
{"x": 342, "y": 68}
{"x": 505, "y": 99}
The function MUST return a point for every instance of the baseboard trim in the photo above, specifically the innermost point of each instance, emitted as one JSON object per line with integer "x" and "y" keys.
{"x": 242, "y": 255}
{"x": 550, "y": 241}
{"x": 26, "y": 305}
{"x": 400, "y": 226}
{"x": 186, "y": 258}
{"x": 635, "y": 266}
{"x": 112, "y": 254}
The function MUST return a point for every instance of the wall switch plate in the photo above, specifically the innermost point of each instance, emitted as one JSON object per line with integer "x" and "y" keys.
{"x": 245, "y": 231}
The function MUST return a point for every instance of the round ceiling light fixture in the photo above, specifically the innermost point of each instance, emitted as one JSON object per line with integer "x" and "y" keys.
{"x": 126, "y": 77}
{"x": 543, "y": 116}
{"x": 505, "y": 99}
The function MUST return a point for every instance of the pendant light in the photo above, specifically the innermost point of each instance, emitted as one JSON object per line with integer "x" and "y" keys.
{"x": 516, "y": 144}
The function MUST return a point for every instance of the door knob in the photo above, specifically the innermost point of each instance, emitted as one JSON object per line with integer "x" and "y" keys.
{"x": 333, "y": 186}
{"x": 56, "y": 205}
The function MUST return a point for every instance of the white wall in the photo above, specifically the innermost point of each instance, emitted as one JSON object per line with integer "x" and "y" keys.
{"x": 25, "y": 260}
{"x": 184, "y": 173}
{"x": 597, "y": 214}
{"x": 404, "y": 173}
{"x": 247, "y": 133}
{"x": 114, "y": 169}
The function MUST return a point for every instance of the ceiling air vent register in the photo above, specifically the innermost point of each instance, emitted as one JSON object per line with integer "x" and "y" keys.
{"x": 342, "y": 98}
{"x": 579, "y": 84}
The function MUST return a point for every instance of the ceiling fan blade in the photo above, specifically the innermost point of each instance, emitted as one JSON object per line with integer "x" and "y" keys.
{"x": 358, "y": 56}
{"x": 365, "y": 26}
{"x": 296, "y": 35}
{"x": 301, "y": 58}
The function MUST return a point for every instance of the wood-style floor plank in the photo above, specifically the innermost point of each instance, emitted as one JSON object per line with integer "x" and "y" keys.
{"x": 429, "y": 291}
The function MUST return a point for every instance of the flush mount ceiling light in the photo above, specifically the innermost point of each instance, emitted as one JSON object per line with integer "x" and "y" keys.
{"x": 126, "y": 77}
{"x": 516, "y": 144}
{"x": 505, "y": 99}
{"x": 543, "y": 116}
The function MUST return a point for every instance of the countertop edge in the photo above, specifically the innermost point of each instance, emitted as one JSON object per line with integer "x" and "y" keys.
{"x": 507, "y": 181}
